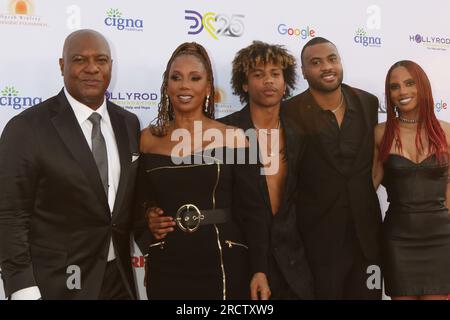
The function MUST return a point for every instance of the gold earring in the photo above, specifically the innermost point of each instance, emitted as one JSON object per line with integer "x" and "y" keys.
{"x": 167, "y": 112}
{"x": 206, "y": 104}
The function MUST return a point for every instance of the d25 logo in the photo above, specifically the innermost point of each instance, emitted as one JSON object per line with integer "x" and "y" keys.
{"x": 215, "y": 24}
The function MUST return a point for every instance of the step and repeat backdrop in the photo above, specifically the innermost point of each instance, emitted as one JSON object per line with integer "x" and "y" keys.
{"x": 370, "y": 34}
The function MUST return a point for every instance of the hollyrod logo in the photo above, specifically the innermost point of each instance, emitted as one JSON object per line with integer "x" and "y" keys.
{"x": 217, "y": 25}
{"x": 302, "y": 32}
{"x": 21, "y": 13}
{"x": 10, "y": 97}
{"x": 362, "y": 38}
{"x": 431, "y": 42}
{"x": 133, "y": 100}
{"x": 114, "y": 19}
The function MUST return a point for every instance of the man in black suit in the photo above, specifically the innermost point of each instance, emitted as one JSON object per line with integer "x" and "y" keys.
{"x": 263, "y": 75}
{"x": 338, "y": 209}
{"x": 67, "y": 172}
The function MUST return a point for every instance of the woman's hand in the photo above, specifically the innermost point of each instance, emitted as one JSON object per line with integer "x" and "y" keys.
{"x": 259, "y": 287}
{"x": 158, "y": 224}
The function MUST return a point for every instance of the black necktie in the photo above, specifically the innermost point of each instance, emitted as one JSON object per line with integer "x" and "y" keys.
{"x": 99, "y": 149}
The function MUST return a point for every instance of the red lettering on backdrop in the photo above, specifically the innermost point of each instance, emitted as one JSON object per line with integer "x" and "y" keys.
{"x": 138, "y": 262}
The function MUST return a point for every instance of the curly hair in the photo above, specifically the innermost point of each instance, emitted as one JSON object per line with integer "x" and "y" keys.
{"x": 165, "y": 109}
{"x": 260, "y": 52}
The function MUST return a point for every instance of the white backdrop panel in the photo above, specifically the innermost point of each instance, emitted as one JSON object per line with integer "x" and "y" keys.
{"x": 33, "y": 32}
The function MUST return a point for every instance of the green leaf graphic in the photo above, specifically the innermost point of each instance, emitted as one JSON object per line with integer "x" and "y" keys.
{"x": 113, "y": 13}
{"x": 9, "y": 91}
{"x": 361, "y": 32}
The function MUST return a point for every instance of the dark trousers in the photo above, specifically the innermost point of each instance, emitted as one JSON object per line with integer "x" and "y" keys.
{"x": 346, "y": 278}
{"x": 113, "y": 287}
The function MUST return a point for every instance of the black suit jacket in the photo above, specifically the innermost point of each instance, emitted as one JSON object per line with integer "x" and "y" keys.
{"x": 54, "y": 212}
{"x": 286, "y": 245}
{"x": 321, "y": 184}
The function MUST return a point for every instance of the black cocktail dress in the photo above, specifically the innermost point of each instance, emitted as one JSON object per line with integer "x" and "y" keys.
{"x": 216, "y": 260}
{"x": 416, "y": 230}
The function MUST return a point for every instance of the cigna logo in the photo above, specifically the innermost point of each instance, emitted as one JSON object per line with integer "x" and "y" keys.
{"x": 216, "y": 25}
{"x": 114, "y": 19}
{"x": 440, "y": 105}
{"x": 21, "y": 7}
{"x": 431, "y": 42}
{"x": 361, "y": 37}
{"x": 300, "y": 32}
{"x": 10, "y": 97}
{"x": 133, "y": 100}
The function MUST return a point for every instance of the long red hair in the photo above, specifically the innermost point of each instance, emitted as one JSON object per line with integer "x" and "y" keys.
{"x": 427, "y": 118}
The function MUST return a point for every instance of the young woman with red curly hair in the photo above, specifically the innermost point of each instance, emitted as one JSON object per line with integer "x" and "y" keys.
{"x": 411, "y": 161}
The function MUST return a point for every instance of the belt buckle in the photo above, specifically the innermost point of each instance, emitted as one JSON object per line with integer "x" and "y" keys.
{"x": 181, "y": 217}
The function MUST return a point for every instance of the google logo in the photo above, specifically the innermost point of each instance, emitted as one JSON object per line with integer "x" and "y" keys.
{"x": 303, "y": 33}
{"x": 440, "y": 105}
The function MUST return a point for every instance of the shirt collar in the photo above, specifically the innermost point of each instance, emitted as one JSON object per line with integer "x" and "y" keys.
{"x": 82, "y": 111}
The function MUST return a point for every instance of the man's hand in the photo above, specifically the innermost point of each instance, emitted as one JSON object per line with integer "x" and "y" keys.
{"x": 158, "y": 224}
{"x": 259, "y": 287}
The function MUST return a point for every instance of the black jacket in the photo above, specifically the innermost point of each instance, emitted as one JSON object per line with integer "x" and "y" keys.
{"x": 54, "y": 211}
{"x": 286, "y": 245}
{"x": 321, "y": 183}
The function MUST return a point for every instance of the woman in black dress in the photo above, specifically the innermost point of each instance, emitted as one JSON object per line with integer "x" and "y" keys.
{"x": 217, "y": 232}
{"x": 411, "y": 161}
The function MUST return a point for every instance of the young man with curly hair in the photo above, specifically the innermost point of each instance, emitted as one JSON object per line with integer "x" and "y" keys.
{"x": 262, "y": 76}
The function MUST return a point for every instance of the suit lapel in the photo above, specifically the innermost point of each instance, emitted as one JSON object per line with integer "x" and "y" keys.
{"x": 245, "y": 122}
{"x": 360, "y": 102}
{"x": 123, "y": 145}
{"x": 293, "y": 147}
{"x": 71, "y": 134}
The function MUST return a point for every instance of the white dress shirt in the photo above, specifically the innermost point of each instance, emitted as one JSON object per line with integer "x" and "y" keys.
{"x": 82, "y": 113}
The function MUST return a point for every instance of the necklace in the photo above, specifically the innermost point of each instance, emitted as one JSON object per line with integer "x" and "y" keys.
{"x": 272, "y": 154}
{"x": 401, "y": 119}
{"x": 268, "y": 131}
{"x": 340, "y": 104}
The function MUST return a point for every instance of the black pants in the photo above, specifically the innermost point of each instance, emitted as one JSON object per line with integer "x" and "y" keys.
{"x": 346, "y": 278}
{"x": 113, "y": 287}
